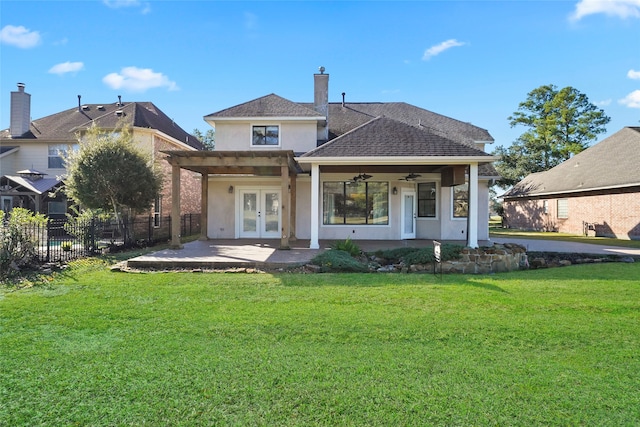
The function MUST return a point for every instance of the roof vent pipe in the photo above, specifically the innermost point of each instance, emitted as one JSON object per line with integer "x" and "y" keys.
{"x": 79, "y": 103}
{"x": 119, "y": 100}
{"x": 343, "y": 94}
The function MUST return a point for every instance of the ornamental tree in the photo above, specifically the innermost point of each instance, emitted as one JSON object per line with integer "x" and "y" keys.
{"x": 110, "y": 172}
{"x": 560, "y": 123}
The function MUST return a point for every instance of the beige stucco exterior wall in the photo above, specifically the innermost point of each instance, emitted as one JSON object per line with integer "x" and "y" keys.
{"x": 296, "y": 136}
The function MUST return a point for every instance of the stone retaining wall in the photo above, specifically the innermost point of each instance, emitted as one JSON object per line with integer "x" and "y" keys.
{"x": 493, "y": 259}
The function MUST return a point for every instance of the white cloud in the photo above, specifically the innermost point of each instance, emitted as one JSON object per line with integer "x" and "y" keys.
{"x": 19, "y": 36}
{"x": 66, "y": 67}
{"x": 632, "y": 100}
{"x": 603, "y": 103}
{"x": 633, "y": 74}
{"x": 620, "y": 8}
{"x": 250, "y": 21}
{"x": 118, "y": 4}
{"x": 439, "y": 48}
{"x": 138, "y": 80}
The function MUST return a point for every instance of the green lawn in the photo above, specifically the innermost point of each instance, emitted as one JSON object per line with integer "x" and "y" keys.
{"x": 544, "y": 347}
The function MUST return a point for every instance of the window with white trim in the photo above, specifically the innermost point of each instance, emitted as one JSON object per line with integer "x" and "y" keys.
{"x": 57, "y": 153}
{"x": 563, "y": 208}
{"x": 265, "y": 135}
{"x": 460, "y": 200}
{"x": 157, "y": 212}
{"x": 355, "y": 203}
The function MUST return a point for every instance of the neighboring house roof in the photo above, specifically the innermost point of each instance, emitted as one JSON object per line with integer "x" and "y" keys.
{"x": 610, "y": 164}
{"x": 270, "y": 105}
{"x": 38, "y": 186}
{"x": 6, "y": 150}
{"x": 63, "y": 126}
{"x": 385, "y": 137}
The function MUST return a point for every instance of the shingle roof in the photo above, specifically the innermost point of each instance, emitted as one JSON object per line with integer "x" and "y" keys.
{"x": 63, "y": 126}
{"x": 270, "y": 105}
{"x": 612, "y": 163}
{"x": 383, "y": 137}
{"x": 342, "y": 119}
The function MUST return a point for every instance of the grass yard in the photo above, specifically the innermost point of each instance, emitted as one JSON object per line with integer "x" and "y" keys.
{"x": 545, "y": 347}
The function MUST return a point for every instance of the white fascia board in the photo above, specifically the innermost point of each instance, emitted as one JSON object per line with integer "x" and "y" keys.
{"x": 213, "y": 119}
{"x": 395, "y": 160}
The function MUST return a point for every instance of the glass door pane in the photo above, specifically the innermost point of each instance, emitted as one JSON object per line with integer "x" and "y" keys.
{"x": 271, "y": 212}
{"x": 249, "y": 212}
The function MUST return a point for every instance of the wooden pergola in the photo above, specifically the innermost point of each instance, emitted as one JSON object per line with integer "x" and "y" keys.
{"x": 246, "y": 163}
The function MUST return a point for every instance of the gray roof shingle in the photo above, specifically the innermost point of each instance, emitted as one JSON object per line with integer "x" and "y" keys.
{"x": 611, "y": 163}
{"x": 270, "y": 105}
{"x": 383, "y": 137}
{"x": 63, "y": 126}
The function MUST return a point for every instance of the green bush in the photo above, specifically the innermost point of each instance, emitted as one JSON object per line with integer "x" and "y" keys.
{"x": 396, "y": 255}
{"x": 18, "y": 240}
{"x": 348, "y": 246}
{"x": 336, "y": 260}
{"x": 448, "y": 252}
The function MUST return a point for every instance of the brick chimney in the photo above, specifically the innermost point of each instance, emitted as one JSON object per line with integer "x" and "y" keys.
{"x": 20, "y": 112}
{"x": 321, "y": 103}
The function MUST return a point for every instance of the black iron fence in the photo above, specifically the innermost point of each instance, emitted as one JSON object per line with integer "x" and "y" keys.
{"x": 63, "y": 240}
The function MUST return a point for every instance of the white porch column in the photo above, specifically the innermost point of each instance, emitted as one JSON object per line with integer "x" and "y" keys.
{"x": 315, "y": 204}
{"x": 472, "y": 235}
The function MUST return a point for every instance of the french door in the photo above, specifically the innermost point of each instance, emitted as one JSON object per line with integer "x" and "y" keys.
{"x": 408, "y": 214}
{"x": 259, "y": 213}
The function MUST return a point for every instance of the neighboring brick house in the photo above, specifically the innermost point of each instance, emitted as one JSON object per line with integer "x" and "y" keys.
{"x": 321, "y": 170}
{"x": 595, "y": 192}
{"x": 31, "y": 165}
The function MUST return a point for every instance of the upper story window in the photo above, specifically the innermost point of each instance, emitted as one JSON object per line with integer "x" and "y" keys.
{"x": 57, "y": 153}
{"x": 427, "y": 200}
{"x": 265, "y": 135}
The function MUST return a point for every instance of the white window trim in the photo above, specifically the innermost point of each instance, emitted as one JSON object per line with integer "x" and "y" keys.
{"x": 265, "y": 147}
{"x": 453, "y": 217}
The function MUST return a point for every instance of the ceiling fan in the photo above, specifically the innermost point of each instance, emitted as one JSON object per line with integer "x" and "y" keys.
{"x": 411, "y": 177}
{"x": 362, "y": 177}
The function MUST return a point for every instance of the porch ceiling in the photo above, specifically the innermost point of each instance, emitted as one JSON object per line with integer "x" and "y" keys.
{"x": 262, "y": 163}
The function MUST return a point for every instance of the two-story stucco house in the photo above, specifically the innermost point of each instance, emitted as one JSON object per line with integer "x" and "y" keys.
{"x": 321, "y": 170}
{"x": 31, "y": 151}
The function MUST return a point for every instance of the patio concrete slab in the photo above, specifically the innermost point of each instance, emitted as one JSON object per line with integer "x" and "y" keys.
{"x": 265, "y": 254}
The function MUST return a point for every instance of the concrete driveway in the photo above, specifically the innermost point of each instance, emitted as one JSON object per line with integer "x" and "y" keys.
{"x": 538, "y": 245}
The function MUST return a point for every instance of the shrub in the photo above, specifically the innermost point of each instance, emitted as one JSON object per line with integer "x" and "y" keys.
{"x": 448, "y": 252}
{"x": 18, "y": 239}
{"x": 396, "y": 255}
{"x": 347, "y": 246}
{"x": 338, "y": 261}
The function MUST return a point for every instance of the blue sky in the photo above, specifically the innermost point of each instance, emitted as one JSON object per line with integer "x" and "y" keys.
{"x": 474, "y": 61}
